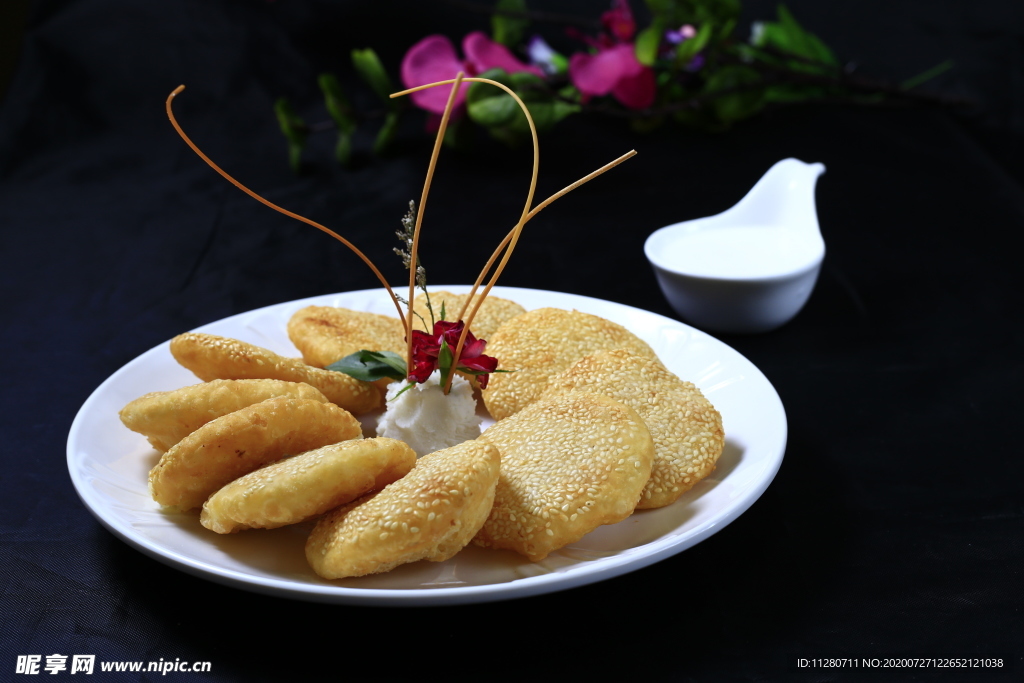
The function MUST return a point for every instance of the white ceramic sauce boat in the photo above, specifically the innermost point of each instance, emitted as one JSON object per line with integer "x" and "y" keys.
{"x": 752, "y": 267}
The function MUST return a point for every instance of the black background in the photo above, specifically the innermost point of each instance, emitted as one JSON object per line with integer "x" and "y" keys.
{"x": 894, "y": 527}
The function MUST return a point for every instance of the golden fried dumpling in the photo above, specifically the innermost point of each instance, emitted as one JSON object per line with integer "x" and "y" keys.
{"x": 326, "y": 334}
{"x": 211, "y": 357}
{"x": 238, "y": 443}
{"x": 539, "y": 344}
{"x": 429, "y": 514}
{"x": 568, "y": 465}
{"x": 494, "y": 311}
{"x": 686, "y": 428}
{"x": 306, "y": 485}
{"x": 167, "y": 417}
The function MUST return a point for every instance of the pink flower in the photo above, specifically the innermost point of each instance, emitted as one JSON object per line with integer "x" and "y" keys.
{"x": 434, "y": 59}
{"x": 614, "y": 70}
{"x": 619, "y": 22}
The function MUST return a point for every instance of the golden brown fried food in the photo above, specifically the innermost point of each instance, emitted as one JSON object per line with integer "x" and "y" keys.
{"x": 237, "y": 443}
{"x": 686, "y": 428}
{"x": 211, "y": 357}
{"x": 568, "y": 465}
{"x": 493, "y": 312}
{"x": 325, "y": 334}
{"x": 429, "y": 514}
{"x": 167, "y": 417}
{"x": 307, "y": 485}
{"x": 541, "y": 343}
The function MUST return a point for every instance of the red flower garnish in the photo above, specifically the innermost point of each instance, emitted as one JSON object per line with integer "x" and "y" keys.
{"x": 427, "y": 356}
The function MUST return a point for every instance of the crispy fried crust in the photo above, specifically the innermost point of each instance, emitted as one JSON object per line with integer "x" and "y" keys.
{"x": 306, "y": 485}
{"x": 211, "y": 357}
{"x": 167, "y": 417}
{"x": 568, "y": 465}
{"x": 429, "y": 514}
{"x": 686, "y": 428}
{"x": 325, "y": 334}
{"x": 541, "y": 343}
{"x": 237, "y": 443}
{"x": 494, "y": 311}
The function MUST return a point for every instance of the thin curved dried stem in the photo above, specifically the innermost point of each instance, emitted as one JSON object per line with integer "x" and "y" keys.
{"x": 522, "y": 219}
{"x": 275, "y": 207}
{"x": 512, "y": 238}
{"x": 413, "y": 258}
{"x": 533, "y": 212}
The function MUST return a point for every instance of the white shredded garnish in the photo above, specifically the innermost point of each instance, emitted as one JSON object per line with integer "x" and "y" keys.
{"x": 426, "y": 419}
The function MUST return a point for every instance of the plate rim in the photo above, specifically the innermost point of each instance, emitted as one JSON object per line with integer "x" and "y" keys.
{"x": 577, "y": 575}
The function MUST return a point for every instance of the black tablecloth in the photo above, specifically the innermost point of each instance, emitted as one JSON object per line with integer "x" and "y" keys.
{"x": 894, "y": 527}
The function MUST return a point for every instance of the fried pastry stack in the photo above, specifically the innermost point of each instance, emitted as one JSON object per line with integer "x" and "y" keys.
{"x": 237, "y": 443}
{"x": 590, "y": 427}
{"x": 685, "y": 427}
{"x": 430, "y": 514}
{"x": 211, "y": 357}
{"x": 541, "y": 343}
{"x": 569, "y": 464}
{"x": 325, "y": 334}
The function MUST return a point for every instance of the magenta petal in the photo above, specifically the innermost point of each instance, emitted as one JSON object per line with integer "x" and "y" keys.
{"x": 473, "y": 349}
{"x": 619, "y": 20}
{"x": 626, "y": 54}
{"x": 595, "y": 74}
{"x": 430, "y": 60}
{"x": 483, "y": 54}
{"x": 637, "y": 91}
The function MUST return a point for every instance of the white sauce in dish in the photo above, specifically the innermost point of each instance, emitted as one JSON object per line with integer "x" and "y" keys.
{"x": 739, "y": 252}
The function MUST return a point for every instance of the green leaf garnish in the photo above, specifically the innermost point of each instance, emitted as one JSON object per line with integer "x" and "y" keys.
{"x": 370, "y": 366}
{"x": 444, "y": 361}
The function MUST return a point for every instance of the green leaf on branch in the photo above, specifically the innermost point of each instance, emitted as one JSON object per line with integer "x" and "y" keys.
{"x": 494, "y": 109}
{"x": 295, "y": 132}
{"x": 370, "y": 366}
{"x": 387, "y": 132}
{"x": 648, "y": 41}
{"x": 675, "y": 13}
{"x": 340, "y": 109}
{"x": 726, "y": 29}
{"x": 509, "y": 30}
{"x": 370, "y": 69}
{"x": 735, "y": 93}
{"x": 338, "y": 106}
{"x": 786, "y": 35}
{"x": 688, "y": 49}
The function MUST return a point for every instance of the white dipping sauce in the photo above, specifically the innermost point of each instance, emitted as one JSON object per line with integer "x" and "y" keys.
{"x": 741, "y": 251}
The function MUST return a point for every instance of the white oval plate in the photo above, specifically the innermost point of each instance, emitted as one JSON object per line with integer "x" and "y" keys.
{"x": 109, "y": 466}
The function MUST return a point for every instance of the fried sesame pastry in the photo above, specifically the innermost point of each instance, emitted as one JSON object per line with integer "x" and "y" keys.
{"x": 211, "y": 357}
{"x": 238, "y": 443}
{"x": 326, "y": 334}
{"x": 304, "y": 486}
{"x": 568, "y": 465}
{"x": 429, "y": 514}
{"x": 167, "y": 417}
{"x": 541, "y": 343}
{"x": 686, "y": 428}
{"x": 493, "y": 312}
